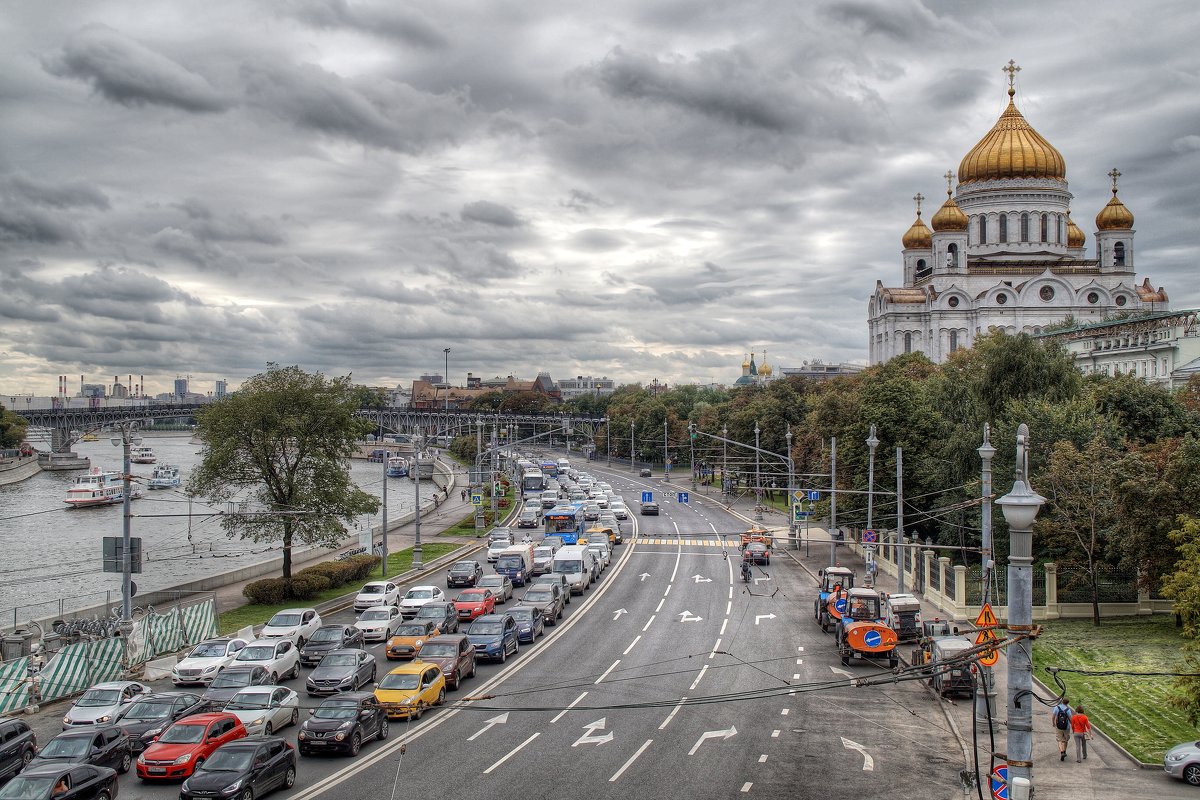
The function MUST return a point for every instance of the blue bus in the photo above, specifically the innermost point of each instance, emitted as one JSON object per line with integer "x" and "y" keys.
{"x": 566, "y": 521}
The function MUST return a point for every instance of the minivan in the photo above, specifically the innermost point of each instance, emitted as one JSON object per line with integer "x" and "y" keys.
{"x": 578, "y": 565}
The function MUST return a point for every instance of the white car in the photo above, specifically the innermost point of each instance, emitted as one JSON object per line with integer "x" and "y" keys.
{"x": 297, "y": 625}
{"x": 205, "y": 660}
{"x": 265, "y": 709}
{"x": 495, "y": 547}
{"x": 378, "y": 624}
{"x": 101, "y": 704}
{"x": 619, "y": 509}
{"x": 377, "y": 593}
{"x": 279, "y": 657}
{"x": 419, "y": 596}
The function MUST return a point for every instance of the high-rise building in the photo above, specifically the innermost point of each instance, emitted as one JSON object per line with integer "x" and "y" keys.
{"x": 220, "y": 390}
{"x": 585, "y": 385}
{"x": 181, "y": 387}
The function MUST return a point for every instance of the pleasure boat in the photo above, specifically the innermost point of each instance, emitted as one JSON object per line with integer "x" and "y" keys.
{"x": 397, "y": 467}
{"x": 165, "y": 476}
{"x": 142, "y": 455}
{"x": 98, "y": 488}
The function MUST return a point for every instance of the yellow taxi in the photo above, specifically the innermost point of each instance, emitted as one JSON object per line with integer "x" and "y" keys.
{"x": 409, "y": 637}
{"x": 408, "y": 690}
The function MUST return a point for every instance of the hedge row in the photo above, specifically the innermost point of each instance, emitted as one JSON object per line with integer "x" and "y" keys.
{"x": 311, "y": 581}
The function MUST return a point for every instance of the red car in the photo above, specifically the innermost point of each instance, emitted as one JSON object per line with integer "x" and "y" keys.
{"x": 186, "y": 744}
{"x": 473, "y": 603}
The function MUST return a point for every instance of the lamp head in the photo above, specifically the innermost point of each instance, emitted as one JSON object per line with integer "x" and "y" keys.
{"x": 872, "y": 440}
{"x": 1021, "y": 506}
{"x": 116, "y": 441}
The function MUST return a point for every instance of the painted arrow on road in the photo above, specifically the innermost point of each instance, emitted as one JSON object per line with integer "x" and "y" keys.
{"x": 617, "y": 614}
{"x": 760, "y": 580}
{"x": 725, "y": 734}
{"x": 701, "y": 579}
{"x": 845, "y": 672}
{"x": 760, "y": 617}
{"x": 644, "y": 575}
{"x": 868, "y": 762}
{"x": 487, "y": 724}
{"x": 686, "y": 616}
{"x": 590, "y": 737}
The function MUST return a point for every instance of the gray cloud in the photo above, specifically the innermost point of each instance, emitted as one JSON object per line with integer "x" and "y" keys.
{"x": 72, "y": 194}
{"x": 491, "y": 214}
{"x": 404, "y": 25}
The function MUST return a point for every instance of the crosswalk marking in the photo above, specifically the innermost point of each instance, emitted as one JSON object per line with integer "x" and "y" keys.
{"x": 674, "y": 541}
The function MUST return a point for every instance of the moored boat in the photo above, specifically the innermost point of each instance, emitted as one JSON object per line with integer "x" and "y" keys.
{"x": 165, "y": 476}
{"x": 98, "y": 488}
{"x": 397, "y": 467}
{"x": 142, "y": 455}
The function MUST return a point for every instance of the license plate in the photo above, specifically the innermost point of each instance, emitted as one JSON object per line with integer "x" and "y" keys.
{"x": 157, "y": 770}
{"x": 317, "y": 743}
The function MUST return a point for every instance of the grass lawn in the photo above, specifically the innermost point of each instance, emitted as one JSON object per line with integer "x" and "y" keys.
{"x": 466, "y": 525}
{"x": 253, "y": 613}
{"x": 1132, "y": 711}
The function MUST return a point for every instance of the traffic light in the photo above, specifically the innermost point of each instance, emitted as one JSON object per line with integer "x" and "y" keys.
{"x": 692, "y": 430}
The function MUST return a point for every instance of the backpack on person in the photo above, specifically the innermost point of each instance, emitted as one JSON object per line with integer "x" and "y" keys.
{"x": 1062, "y": 718}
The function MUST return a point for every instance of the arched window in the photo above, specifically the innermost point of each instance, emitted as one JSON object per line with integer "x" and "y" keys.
{"x": 1024, "y": 227}
{"x": 1003, "y": 228}
{"x": 982, "y": 229}
{"x": 953, "y": 341}
{"x": 907, "y": 342}
{"x": 1045, "y": 228}
{"x": 952, "y": 256}
{"x": 1119, "y": 254}
{"x": 1062, "y": 229}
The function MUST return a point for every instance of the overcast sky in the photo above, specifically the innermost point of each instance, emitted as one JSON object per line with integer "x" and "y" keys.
{"x": 628, "y": 188}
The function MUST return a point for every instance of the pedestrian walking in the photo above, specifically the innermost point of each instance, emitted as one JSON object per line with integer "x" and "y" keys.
{"x": 463, "y": 495}
{"x": 1081, "y": 729}
{"x": 1061, "y": 716}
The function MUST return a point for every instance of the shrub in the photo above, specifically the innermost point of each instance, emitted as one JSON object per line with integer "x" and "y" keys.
{"x": 337, "y": 572}
{"x": 360, "y": 566}
{"x": 268, "y": 591}
{"x": 306, "y": 587}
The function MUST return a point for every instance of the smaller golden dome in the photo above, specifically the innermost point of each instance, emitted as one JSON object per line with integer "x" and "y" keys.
{"x": 918, "y": 236}
{"x": 765, "y": 368}
{"x": 1075, "y": 237}
{"x": 949, "y": 217}
{"x": 746, "y": 363}
{"x": 1114, "y": 216}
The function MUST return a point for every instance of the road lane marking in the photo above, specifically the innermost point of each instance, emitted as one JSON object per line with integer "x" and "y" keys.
{"x": 649, "y": 622}
{"x": 636, "y": 639}
{"x": 512, "y": 753}
{"x": 632, "y": 759}
{"x": 775, "y": 734}
{"x": 724, "y": 622}
{"x": 728, "y": 607}
{"x": 678, "y": 555}
{"x": 667, "y": 592}
{"x": 730, "y": 593}
{"x": 563, "y": 713}
{"x": 704, "y": 737}
{"x": 784, "y": 712}
{"x": 487, "y": 725}
{"x": 696, "y": 682}
{"x": 746, "y": 786}
{"x": 799, "y": 661}
{"x": 674, "y": 711}
{"x": 610, "y": 669}
{"x": 795, "y": 675}
{"x": 716, "y": 647}
{"x": 660, "y": 605}
{"x": 799, "y": 649}
{"x": 762, "y": 759}
{"x": 868, "y": 762}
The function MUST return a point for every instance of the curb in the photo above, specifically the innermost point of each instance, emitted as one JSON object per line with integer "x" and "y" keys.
{"x": 1147, "y": 765}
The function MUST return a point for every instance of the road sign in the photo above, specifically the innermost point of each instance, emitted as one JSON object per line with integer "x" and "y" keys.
{"x": 681, "y": 497}
{"x": 986, "y": 618}
{"x": 985, "y": 636}
{"x": 476, "y": 498}
{"x": 870, "y": 537}
{"x": 799, "y": 514}
{"x": 647, "y": 497}
{"x": 814, "y": 495}
{"x": 1000, "y": 782}
{"x": 114, "y": 554}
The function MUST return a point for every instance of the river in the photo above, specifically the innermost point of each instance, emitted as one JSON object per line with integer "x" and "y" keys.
{"x": 51, "y": 551}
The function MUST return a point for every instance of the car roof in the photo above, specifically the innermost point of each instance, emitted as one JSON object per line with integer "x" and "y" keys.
{"x": 243, "y": 667}
{"x": 357, "y": 697}
{"x": 380, "y": 607}
{"x": 416, "y": 665}
{"x": 862, "y": 591}
{"x": 264, "y": 642}
{"x": 354, "y": 650}
{"x": 45, "y": 770}
{"x": 90, "y": 730}
{"x": 530, "y": 609}
{"x": 258, "y": 689}
{"x": 415, "y": 588}
{"x": 491, "y": 618}
{"x": 218, "y": 640}
{"x": 247, "y": 742}
{"x": 293, "y": 611}
{"x": 447, "y": 637}
{"x": 115, "y": 685}
{"x": 376, "y": 583}
{"x": 205, "y": 718}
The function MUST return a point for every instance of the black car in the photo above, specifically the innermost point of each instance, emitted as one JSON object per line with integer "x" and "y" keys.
{"x": 547, "y": 598}
{"x": 17, "y": 746}
{"x": 650, "y": 509}
{"x": 152, "y": 714}
{"x": 254, "y": 765}
{"x": 463, "y": 573}
{"x": 341, "y": 671}
{"x": 443, "y": 613}
{"x": 329, "y": 637}
{"x": 341, "y": 724}
{"x": 644, "y": 473}
{"x": 62, "y": 782}
{"x": 103, "y": 746}
{"x": 232, "y": 680}
{"x": 757, "y": 553}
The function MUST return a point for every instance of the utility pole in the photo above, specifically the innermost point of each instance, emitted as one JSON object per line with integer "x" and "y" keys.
{"x": 416, "y": 556}
{"x": 724, "y": 460}
{"x": 832, "y": 500}
{"x": 631, "y": 447}
{"x": 872, "y": 443}
{"x": 902, "y": 553}
{"x": 666, "y": 445}
{"x": 383, "y": 545}
{"x": 758, "y": 512}
{"x": 791, "y": 487}
{"x": 447, "y": 377}
{"x": 608, "y": 440}
{"x": 128, "y": 437}
{"x": 692, "y": 452}
{"x": 984, "y": 688}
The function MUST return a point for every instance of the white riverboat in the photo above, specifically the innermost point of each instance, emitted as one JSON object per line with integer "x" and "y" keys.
{"x": 165, "y": 476}
{"x": 98, "y": 488}
{"x": 142, "y": 455}
{"x": 397, "y": 467}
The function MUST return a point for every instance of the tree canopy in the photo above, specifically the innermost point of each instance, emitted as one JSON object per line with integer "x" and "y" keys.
{"x": 12, "y": 428}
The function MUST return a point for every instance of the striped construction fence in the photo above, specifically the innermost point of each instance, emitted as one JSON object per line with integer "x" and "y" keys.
{"x": 14, "y": 685}
{"x": 157, "y": 634}
{"x": 76, "y": 667}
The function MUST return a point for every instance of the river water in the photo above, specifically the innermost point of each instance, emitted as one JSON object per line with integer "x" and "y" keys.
{"x": 50, "y": 551}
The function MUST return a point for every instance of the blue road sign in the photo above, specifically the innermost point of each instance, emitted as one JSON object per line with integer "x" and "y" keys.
{"x": 1000, "y": 782}
{"x": 647, "y": 497}
{"x": 814, "y": 495}
{"x": 840, "y": 605}
{"x": 870, "y": 537}
{"x": 872, "y": 638}
{"x": 681, "y": 497}
{"x": 476, "y": 498}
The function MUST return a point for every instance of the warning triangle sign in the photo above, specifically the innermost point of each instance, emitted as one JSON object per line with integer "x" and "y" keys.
{"x": 986, "y": 618}
{"x": 986, "y": 635}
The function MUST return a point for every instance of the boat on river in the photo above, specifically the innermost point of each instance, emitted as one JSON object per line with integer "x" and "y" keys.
{"x": 397, "y": 467}
{"x": 165, "y": 476}
{"x": 99, "y": 488}
{"x": 142, "y": 455}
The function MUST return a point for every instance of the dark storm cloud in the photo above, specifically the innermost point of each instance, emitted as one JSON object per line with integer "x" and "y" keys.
{"x": 127, "y": 72}
{"x": 37, "y": 226}
{"x": 71, "y": 194}
{"x": 491, "y": 214}
{"x": 232, "y": 226}
{"x": 905, "y": 21}
{"x": 404, "y": 25}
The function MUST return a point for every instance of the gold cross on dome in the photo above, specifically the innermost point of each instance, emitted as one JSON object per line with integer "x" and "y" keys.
{"x": 1114, "y": 175}
{"x": 949, "y": 176}
{"x": 1012, "y": 69}
{"x": 918, "y": 197}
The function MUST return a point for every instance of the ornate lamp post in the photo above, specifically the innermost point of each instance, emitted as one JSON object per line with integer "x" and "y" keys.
{"x": 872, "y": 443}
{"x": 128, "y": 437}
{"x": 1020, "y": 507}
{"x": 984, "y": 689}
{"x": 447, "y": 377}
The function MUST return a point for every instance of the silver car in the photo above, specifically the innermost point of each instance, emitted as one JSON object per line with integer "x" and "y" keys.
{"x": 265, "y": 709}
{"x": 1183, "y": 762}
{"x": 99, "y": 705}
{"x": 341, "y": 671}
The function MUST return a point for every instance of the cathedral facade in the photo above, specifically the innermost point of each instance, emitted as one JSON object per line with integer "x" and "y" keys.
{"x": 1003, "y": 253}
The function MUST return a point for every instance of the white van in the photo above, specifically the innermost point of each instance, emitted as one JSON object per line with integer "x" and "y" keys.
{"x": 577, "y": 564}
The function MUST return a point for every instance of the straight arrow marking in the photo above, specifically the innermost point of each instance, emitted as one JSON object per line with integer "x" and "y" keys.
{"x": 617, "y": 614}
{"x": 847, "y": 673}
{"x": 644, "y": 575}
{"x": 487, "y": 725}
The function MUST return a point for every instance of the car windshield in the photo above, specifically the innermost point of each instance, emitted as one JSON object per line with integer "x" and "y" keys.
{"x": 338, "y": 660}
{"x": 431, "y": 612}
{"x": 568, "y": 567}
{"x": 469, "y": 597}
{"x": 411, "y": 630}
{"x": 437, "y": 650}
{"x": 484, "y": 628}
{"x": 66, "y": 747}
{"x": 249, "y": 701}
{"x": 419, "y": 594}
{"x": 405, "y": 680}
{"x": 147, "y": 710}
{"x": 231, "y": 679}
{"x": 372, "y": 589}
{"x": 491, "y": 580}
{"x": 336, "y": 710}
{"x": 538, "y": 597}
{"x": 183, "y": 734}
{"x": 208, "y": 651}
{"x": 262, "y": 652}
{"x": 99, "y": 697}
{"x": 381, "y": 614}
{"x": 284, "y": 620}
{"x": 228, "y": 760}
{"x": 23, "y": 787}
{"x": 543, "y": 552}
{"x": 520, "y": 614}
{"x": 508, "y": 562}
{"x": 326, "y": 635}
{"x": 462, "y": 567}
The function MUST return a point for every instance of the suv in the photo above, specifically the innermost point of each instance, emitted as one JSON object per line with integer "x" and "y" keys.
{"x": 557, "y": 579}
{"x": 343, "y": 723}
{"x": 297, "y": 625}
{"x": 454, "y": 653}
{"x": 463, "y": 573}
{"x": 443, "y": 613}
{"x": 17, "y": 746}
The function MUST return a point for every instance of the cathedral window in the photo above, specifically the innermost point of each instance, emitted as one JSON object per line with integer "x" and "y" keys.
{"x": 1093, "y": 298}
{"x": 1046, "y": 293}
{"x": 952, "y": 302}
{"x": 1024, "y": 227}
{"x": 1121, "y": 300}
{"x": 907, "y": 342}
{"x": 1002, "y": 298}
{"x": 953, "y": 341}
{"x": 952, "y": 256}
{"x": 1045, "y": 228}
{"x": 1119, "y": 254}
{"x": 1062, "y": 229}
{"x": 1003, "y": 228}
{"x": 982, "y": 229}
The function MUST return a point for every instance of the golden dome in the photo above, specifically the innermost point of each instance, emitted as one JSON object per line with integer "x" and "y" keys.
{"x": 1075, "y": 237}
{"x": 1011, "y": 149}
{"x": 765, "y": 368}
{"x": 1114, "y": 216}
{"x": 949, "y": 217}
{"x": 746, "y": 363}
{"x": 917, "y": 236}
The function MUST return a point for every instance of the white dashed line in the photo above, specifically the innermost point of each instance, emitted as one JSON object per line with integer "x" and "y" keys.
{"x": 632, "y": 758}
{"x": 660, "y": 605}
{"x": 746, "y": 786}
{"x": 716, "y": 647}
{"x": 731, "y": 588}
{"x": 799, "y": 649}
{"x": 637, "y": 639}
{"x": 696, "y": 682}
{"x": 762, "y": 759}
{"x": 784, "y": 712}
{"x": 652, "y": 616}
{"x": 671, "y": 716}
{"x": 511, "y": 753}
{"x": 799, "y": 661}
{"x": 795, "y": 676}
{"x": 667, "y": 592}
{"x": 614, "y": 666}
{"x": 563, "y": 713}
{"x": 775, "y": 734}
{"x": 724, "y": 622}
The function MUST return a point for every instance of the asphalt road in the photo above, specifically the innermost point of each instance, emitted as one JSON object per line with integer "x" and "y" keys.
{"x": 597, "y": 706}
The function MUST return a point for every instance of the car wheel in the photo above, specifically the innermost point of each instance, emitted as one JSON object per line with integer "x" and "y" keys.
{"x": 503, "y": 653}
{"x": 300, "y": 642}
{"x": 289, "y": 780}
{"x": 416, "y": 714}
{"x": 274, "y": 678}
{"x": 474, "y": 666}
{"x": 197, "y": 765}
{"x": 247, "y": 795}
{"x": 355, "y": 744}
{"x": 559, "y": 614}
{"x": 457, "y": 681}
{"x": 103, "y": 795}
{"x": 1191, "y": 774}
{"x": 126, "y": 762}
{"x": 295, "y": 716}
{"x": 441, "y": 697}
{"x": 267, "y": 729}
{"x": 383, "y": 729}
{"x": 26, "y": 757}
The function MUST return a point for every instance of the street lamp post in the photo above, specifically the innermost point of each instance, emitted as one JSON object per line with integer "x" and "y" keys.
{"x": 692, "y": 453}
{"x": 901, "y": 552}
{"x": 1020, "y": 507}
{"x": 416, "y": 555}
{"x": 791, "y": 486}
{"x": 128, "y": 437}
{"x": 758, "y": 513}
{"x": 608, "y": 441}
{"x": 872, "y": 443}
{"x": 631, "y": 447}
{"x": 984, "y": 691}
{"x": 446, "y": 377}
{"x": 724, "y": 459}
{"x": 383, "y": 544}
{"x": 666, "y": 449}
{"x": 833, "y": 501}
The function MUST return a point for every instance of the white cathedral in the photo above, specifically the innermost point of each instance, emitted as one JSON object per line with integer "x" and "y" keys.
{"x": 1005, "y": 254}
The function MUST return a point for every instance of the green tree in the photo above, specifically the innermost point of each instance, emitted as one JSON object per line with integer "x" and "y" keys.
{"x": 281, "y": 445}
{"x": 1158, "y": 482}
{"x": 1143, "y": 412}
{"x": 1182, "y": 585}
{"x": 12, "y": 428}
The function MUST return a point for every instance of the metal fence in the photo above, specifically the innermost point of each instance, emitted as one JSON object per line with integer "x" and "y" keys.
{"x": 1112, "y": 585}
